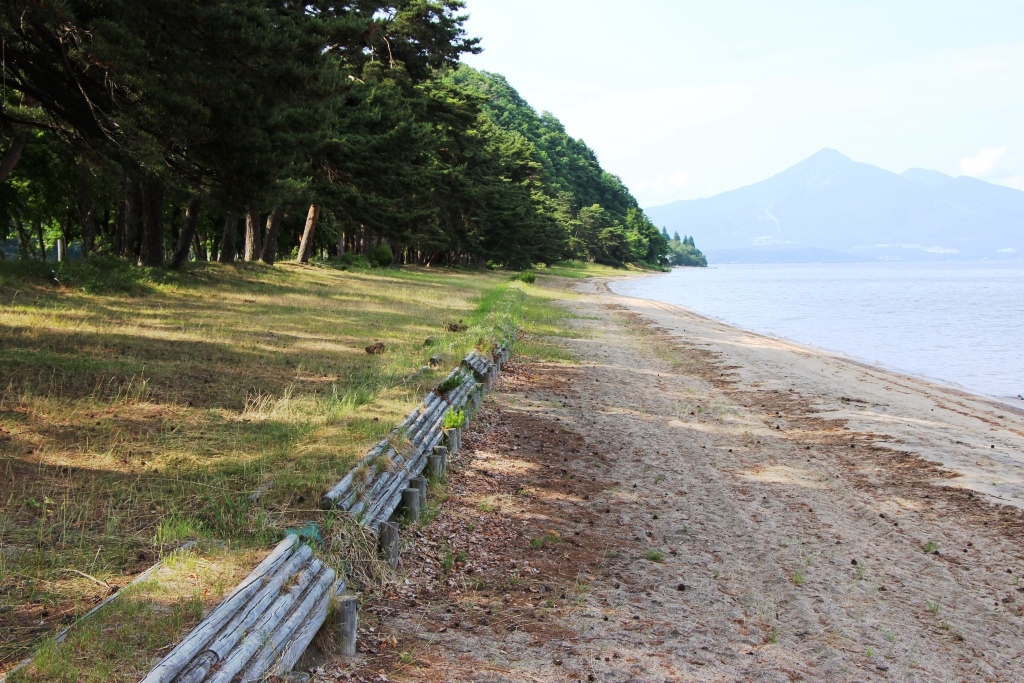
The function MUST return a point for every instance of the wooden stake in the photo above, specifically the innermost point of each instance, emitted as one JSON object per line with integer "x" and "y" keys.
{"x": 348, "y": 622}
{"x": 411, "y": 504}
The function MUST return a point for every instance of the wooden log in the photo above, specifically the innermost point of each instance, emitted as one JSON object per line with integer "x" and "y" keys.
{"x": 420, "y": 484}
{"x": 196, "y": 640}
{"x": 389, "y": 540}
{"x": 438, "y": 463}
{"x": 258, "y": 635}
{"x": 281, "y": 645}
{"x": 348, "y": 624}
{"x": 232, "y": 632}
{"x": 411, "y": 504}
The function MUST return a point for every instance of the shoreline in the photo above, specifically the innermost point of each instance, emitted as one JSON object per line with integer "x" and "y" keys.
{"x": 1000, "y": 402}
{"x": 980, "y": 439}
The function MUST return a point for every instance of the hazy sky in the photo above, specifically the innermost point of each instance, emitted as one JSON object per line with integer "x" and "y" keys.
{"x": 686, "y": 99}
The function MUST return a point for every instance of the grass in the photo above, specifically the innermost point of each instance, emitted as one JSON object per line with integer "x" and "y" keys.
{"x": 549, "y": 539}
{"x": 140, "y": 409}
{"x": 654, "y": 556}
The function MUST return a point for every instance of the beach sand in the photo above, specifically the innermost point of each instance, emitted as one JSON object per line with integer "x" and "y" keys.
{"x": 693, "y": 502}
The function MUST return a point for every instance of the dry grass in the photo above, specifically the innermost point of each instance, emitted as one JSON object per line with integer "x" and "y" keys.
{"x": 135, "y": 417}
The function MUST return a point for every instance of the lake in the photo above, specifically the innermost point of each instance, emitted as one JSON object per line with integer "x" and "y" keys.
{"x": 958, "y": 323}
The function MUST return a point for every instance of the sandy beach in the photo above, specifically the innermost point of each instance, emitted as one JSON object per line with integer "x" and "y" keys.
{"x": 693, "y": 502}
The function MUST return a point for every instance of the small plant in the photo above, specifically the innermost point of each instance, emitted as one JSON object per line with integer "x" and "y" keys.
{"x": 407, "y": 657}
{"x": 551, "y": 538}
{"x": 654, "y": 556}
{"x": 871, "y": 653}
{"x": 798, "y": 578}
{"x": 612, "y": 554}
{"x": 454, "y": 419}
{"x": 447, "y": 561}
{"x": 931, "y": 546}
{"x": 660, "y": 478}
{"x": 773, "y": 637}
{"x": 527, "y": 276}
{"x": 450, "y": 384}
{"x": 933, "y": 607}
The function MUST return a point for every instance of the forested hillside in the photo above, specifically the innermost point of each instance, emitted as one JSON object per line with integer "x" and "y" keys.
{"x": 177, "y": 130}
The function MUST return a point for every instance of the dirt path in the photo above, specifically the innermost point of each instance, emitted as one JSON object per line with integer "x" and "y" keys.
{"x": 686, "y": 504}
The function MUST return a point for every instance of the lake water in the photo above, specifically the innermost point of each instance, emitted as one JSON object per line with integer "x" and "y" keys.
{"x": 959, "y": 323}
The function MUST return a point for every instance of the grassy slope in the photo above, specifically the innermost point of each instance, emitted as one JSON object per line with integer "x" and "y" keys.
{"x": 138, "y": 410}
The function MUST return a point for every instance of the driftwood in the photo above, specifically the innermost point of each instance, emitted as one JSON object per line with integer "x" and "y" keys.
{"x": 262, "y": 627}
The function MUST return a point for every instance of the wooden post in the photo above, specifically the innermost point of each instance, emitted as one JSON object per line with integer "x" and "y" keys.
{"x": 420, "y": 484}
{"x": 411, "y": 504}
{"x": 348, "y": 622}
{"x": 390, "y": 542}
{"x": 62, "y": 250}
{"x": 490, "y": 375}
{"x": 439, "y": 463}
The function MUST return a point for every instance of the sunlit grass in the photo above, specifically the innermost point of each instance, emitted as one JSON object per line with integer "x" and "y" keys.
{"x": 140, "y": 410}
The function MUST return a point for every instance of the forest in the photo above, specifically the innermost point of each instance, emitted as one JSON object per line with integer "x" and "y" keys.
{"x": 176, "y": 130}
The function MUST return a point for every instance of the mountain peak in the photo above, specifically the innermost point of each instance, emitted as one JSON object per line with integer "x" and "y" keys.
{"x": 828, "y": 154}
{"x": 828, "y": 201}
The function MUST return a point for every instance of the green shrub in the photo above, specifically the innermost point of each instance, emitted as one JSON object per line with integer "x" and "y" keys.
{"x": 527, "y": 276}
{"x": 381, "y": 256}
{"x": 352, "y": 261}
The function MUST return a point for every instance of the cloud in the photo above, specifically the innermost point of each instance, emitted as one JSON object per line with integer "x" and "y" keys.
{"x": 983, "y": 163}
{"x": 977, "y": 65}
{"x": 1008, "y": 250}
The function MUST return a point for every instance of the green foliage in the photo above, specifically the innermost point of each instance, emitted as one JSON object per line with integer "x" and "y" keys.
{"x": 685, "y": 253}
{"x": 527, "y": 276}
{"x": 454, "y": 419}
{"x": 381, "y": 256}
{"x": 351, "y": 261}
{"x": 450, "y": 384}
{"x": 129, "y": 110}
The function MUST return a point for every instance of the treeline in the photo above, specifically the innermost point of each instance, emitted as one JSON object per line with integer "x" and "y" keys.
{"x": 169, "y": 130}
{"x": 683, "y": 252}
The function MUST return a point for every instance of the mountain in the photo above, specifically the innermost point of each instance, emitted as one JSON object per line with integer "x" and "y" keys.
{"x": 831, "y": 208}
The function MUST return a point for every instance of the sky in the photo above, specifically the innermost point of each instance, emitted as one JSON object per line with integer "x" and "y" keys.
{"x": 687, "y": 99}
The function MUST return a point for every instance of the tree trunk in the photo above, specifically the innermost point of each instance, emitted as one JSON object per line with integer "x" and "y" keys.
{"x": 185, "y": 237}
{"x": 128, "y": 217}
{"x": 253, "y": 243}
{"x": 13, "y": 154}
{"x": 270, "y": 243}
{"x": 24, "y": 241}
{"x": 229, "y": 238}
{"x": 199, "y": 245}
{"x": 86, "y": 212}
{"x": 151, "y": 245}
{"x": 306, "y": 245}
{"x": 38, "y": 225}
